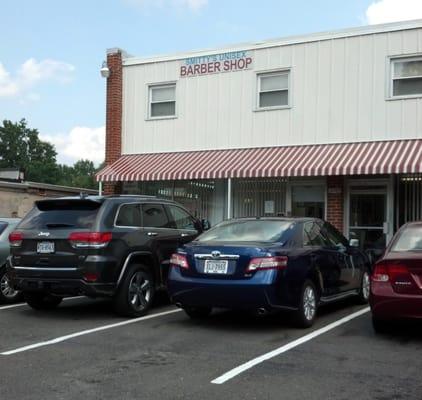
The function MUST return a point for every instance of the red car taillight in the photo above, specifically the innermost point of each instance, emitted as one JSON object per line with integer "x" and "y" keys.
{"x": 90, "y": 240}
{"x": 263, "y": 263}
{"x": 179, "y": 260}
{"x": 15, "y": 239}
{"x": 398, "y": 275}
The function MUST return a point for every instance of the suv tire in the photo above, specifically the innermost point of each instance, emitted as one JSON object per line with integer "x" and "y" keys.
{"x": 7, "y": 294}
{"x": 135, "y": 293}
{"x": 42, "y": 301}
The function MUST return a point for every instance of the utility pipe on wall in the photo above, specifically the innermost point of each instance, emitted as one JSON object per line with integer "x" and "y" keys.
{"x": 229, "y": 198}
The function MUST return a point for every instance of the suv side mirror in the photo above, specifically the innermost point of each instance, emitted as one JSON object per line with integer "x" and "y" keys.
{"x": 205, "y": 224}
{"x": 354, "y": 242}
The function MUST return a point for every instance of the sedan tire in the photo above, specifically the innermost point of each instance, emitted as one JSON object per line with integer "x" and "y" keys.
{"x": 7, "y": 294}
{"x": 380, "y": 325}
{"x": 364, "y": 289}
{"x": 306, "y": 313}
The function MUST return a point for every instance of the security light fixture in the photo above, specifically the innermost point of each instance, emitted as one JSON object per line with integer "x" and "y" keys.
{"x": 105, "y": 71}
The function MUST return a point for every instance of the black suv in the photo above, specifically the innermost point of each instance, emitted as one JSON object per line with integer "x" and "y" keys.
{"x": 98, "y": 246}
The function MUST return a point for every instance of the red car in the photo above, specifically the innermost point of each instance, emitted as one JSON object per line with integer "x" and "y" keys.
{"x": 396, "y": 281}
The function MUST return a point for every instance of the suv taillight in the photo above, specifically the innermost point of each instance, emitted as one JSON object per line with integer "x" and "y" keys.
{"x": 179, "y": 260}
{"x": 263, "y": 263}
{"x": 90, "y": 240}
{"x": 15, "y": 239}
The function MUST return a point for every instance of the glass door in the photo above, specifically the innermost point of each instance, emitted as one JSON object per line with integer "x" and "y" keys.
{"x": 368, "y": 217}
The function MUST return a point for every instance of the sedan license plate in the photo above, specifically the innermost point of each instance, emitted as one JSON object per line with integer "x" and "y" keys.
{"x": 216, "y": 267}
{"x": 45, "y": 247}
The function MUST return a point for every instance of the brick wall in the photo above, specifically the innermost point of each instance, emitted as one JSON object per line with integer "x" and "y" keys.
{"x": 335, "y": 201}
{"x": 113, "y": 114}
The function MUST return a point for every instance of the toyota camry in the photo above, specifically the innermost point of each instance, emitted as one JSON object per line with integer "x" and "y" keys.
{"x": 268, "y": 264}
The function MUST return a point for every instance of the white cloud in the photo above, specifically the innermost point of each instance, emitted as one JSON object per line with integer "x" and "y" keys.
{"x": 193, "y": 5}
{"x": 80, "y": 143}
{"x": 383, "y": 11}
{"x": 30, "y": 74}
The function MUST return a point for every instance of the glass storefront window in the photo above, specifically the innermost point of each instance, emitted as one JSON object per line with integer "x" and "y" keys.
{"x": 308, "y": 201}
{"x": 205, "y": 199}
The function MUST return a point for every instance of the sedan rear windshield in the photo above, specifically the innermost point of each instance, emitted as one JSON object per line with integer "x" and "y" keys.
{"x": 246, "y": 231}
{"x": 61, "y": 214}
{"x": 409, "y": 240}
{"x": 3, "y": 226}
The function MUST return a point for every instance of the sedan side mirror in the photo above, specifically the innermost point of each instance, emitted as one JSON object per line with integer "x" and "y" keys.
{"x": 205, "y": 224}
{"x": 354, "y": 242}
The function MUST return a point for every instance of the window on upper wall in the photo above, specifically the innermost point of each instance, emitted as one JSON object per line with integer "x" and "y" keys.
{"x": 406, "y": 77}
{"x": 162, "y": 101}
{"x": 273, "y": 90}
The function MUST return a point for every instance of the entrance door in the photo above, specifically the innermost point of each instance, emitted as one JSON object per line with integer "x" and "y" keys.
{"x": 368, "y": 217}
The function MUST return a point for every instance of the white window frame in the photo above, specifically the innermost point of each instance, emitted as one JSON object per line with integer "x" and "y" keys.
{"x": 160, "y": 85}
{"x": 259, "y": 74}
{"x": 391, "y": 78}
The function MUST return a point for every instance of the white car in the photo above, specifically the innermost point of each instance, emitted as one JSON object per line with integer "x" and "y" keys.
{"x": 7, "y": 294}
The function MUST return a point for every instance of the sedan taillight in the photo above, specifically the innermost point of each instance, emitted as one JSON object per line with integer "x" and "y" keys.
{"x": 179, "y": 260}
{"x": 263, "y": 263}
{"x": 90, "y": 240}
{"x": 15, "y": 239}
{"x": 398, "y": 275}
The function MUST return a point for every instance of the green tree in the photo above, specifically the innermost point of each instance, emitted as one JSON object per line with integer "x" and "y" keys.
{"x": 21, "y": 147}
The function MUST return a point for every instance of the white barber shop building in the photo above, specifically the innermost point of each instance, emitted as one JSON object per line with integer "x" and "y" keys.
{"x": 326, "y": 125}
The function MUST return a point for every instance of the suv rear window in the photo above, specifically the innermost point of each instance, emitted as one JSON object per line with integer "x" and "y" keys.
{"x": 56, "y": 214}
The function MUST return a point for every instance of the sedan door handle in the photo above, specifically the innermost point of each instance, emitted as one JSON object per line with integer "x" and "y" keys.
{"x": 152, "y": 233}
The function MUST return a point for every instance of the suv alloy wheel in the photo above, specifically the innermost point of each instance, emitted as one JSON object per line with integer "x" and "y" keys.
{"x": 136, "y": 292}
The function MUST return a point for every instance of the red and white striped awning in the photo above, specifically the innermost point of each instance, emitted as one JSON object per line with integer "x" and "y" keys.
{"x": 370, "y": 158}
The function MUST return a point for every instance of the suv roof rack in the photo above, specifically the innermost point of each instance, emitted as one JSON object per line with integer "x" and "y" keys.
{"x": 136, "y": 195}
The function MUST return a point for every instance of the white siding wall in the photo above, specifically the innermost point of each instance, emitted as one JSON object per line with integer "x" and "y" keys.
{"x": 339, "y": 89}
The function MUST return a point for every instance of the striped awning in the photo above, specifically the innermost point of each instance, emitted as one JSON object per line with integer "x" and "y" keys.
{"x": 370, "y": 158}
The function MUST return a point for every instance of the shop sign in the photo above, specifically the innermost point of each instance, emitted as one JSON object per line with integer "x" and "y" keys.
{"x": 216, "y": 63}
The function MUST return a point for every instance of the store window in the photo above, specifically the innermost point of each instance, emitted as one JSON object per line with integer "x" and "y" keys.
{"x": 406, "y": 77}
{"x": 273, "y": 90}
{"x": 162, "y": 101}
{"x": 308, "y": 201}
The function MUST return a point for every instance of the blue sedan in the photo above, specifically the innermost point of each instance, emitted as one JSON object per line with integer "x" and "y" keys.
{"x": 268, "y": 264}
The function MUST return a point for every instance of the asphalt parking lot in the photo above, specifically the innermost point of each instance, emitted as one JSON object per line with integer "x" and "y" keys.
{"x": 82, "y": 350}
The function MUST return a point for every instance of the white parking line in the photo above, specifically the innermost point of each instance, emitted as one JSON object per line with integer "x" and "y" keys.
{"x": 12, "y": 306}
{"x": 86, "y": 332}
{"x": 248, "y": 365}
{"x": 24, "y": 304}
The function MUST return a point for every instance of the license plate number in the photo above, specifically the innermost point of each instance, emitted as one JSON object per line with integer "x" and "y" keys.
{"x": 216, "y": 267}
{"x": 45, "y": 247}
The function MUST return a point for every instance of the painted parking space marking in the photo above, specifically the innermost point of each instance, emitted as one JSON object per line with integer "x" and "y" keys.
{"x": 12, "y": 306}
{"x": 283, "y": 349}
{"x": 24, "y": 304}
{"x": 87, "y": 332}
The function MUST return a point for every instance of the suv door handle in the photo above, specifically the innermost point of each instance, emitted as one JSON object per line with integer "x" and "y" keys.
{"x": 184, "y": 234}
{"x": 152, "y": 233}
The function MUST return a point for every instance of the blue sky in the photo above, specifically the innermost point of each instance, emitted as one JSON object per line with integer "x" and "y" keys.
{"x": 51, "y": 51}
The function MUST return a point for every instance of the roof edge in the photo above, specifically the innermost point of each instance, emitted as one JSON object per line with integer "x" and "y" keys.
{"x": 288, "y": 40}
